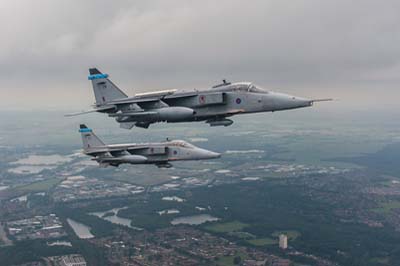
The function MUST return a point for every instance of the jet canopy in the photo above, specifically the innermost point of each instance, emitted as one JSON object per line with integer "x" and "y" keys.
{"x": 256, "y": 89}
{"x": 181, "y": 143}
{"x": 246, "y": 87}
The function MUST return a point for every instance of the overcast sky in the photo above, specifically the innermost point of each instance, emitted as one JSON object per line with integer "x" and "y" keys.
{"x": 344, "y": 49}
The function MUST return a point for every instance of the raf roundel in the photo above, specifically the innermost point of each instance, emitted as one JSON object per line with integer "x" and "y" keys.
{"x": 202, "y": 99}
{"x": 238, "y": 100}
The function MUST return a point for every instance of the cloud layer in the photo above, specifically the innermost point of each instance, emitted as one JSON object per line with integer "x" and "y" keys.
{"x": 302, "y": 46}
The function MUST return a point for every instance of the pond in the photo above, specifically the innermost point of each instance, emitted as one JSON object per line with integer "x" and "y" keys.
{"x": 81, "y": 230}
{"x": 115, "y": 219}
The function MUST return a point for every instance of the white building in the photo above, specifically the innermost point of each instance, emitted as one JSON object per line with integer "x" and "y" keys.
{"x": 283, "y": 241}
{"x": 73, "y": 260}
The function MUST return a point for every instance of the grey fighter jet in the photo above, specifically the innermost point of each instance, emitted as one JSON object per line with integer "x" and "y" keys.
{"x": 159, "y": 154}
{"x": 212, "y": 105}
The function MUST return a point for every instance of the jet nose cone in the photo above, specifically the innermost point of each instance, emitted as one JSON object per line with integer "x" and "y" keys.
{"x": 302, "y": 102}
{"x": 286, "y": 101}
{"x": 215, "y": 155}
{"x": 212, "y": 155}
{"x": 205, "y": 154}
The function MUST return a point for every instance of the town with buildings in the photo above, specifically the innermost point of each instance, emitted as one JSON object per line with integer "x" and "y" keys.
{"x": 37, "y": 227}
{"x": 202, "y": 214}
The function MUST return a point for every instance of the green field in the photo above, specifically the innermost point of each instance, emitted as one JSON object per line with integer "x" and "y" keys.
{"x": 226, "y": 227}
{"x": 39, "y": 186}
{"x": 331, "y": 147}
{"x": 291, "y": 234}
{"x": 387, "y": 207}
{"x": 381, "y": 260}
{"x": 242, "y": 235}
{"x": 263, "y": 241}
{"x": 142, "y": 180}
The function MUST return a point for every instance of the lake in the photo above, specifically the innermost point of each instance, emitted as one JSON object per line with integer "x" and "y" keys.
{"x": 114, "y": 218}
{"x": 81, "y": 230}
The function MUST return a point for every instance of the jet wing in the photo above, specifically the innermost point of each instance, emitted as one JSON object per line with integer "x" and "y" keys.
{"x": 131, "y": 149}
{"x": 144, "y": 150}
{"x": 137, "y": 114}
{"x": 182, "y": 95}
{"x": 97, "y": 152}
{"x": 125, "y": 147}
{"x": 145, "y": 98}
{"x": 100, "y": 109}
{"x": 154, "y": 97}
{"x": 117, "y": 150}
{"x": 135, "y": 100}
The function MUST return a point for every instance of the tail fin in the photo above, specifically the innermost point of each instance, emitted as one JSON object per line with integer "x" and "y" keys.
{"x": 89, "y": 139}
{"x": 104, "y": 89}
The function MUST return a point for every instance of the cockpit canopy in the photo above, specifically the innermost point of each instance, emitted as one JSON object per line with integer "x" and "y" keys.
{"x": 240, "y": 86}
{"x": 256, "y": 89}
{"x": 181, "y": 143}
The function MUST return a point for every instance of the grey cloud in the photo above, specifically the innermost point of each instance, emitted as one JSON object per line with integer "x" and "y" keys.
{"x": 50, "y": 44}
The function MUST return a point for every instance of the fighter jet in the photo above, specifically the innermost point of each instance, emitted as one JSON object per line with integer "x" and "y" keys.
{"x": 212, "y": 105}
{"x": 159, "y": 154}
